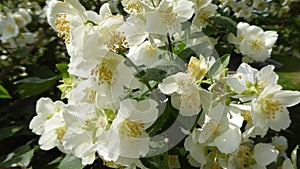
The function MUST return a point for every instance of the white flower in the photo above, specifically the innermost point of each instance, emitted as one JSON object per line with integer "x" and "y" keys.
{"x": 166, "y": 18}
{"x": 281, "y": 144}
{"x": 144, "y": 54}
{"x": 127, "y": 136}
{"x": 254, "y": 43}
{"x": 269, "y": 109}
{"x": 196, "y": 149}
{"x": 258, "y": 44}
{"x": 222, "y": 129}
{"x": 22, "y": 17}
{"x": 49, "y": 123}
{"x": 241, "y": 30}
{"x": 185, "y": 94}
{"x": 8, "y": 28}
{"x": 203, "y": 13}
{"x": 249, "y": 82}
{"x": 86, "y": 124}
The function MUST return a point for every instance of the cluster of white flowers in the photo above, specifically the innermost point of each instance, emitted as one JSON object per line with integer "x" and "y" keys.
{"x": 247, "y": 9}
{"x": 13, "y": 29}
{"x": 252, "y": 42}
{"x": 110, "y": 104}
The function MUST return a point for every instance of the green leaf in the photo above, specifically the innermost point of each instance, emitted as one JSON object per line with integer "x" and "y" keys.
{"x": 33, "y": 85}
{"x": 63, "y": 68}
{"x": 154, "y": 74}
{"x": 225, "y": 22}
{"x": 19, "y": 157}
{"x": 4, "y": 93}
{"x": 70, "y": 162}
{"x": 9, "y": 131}
{"x": 219, "y": 66}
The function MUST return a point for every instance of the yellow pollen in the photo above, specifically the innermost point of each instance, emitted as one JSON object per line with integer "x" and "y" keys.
{"x": 105, "y": 71}
{"x": 243, "y": 155}
{"x": 112, "y": 164}
{"x": 132, "y": 128}
{"x": 60, "y": 131}
{"x": 170, "y": 19}
{"x": 134, "y": 7}
{"x": 150, "y": 51}
{"x": 203, "y": 16}
{"x": 63, "y": 27}
{"x": 116, "y": 41}
{"x": 280, "y": 147}
{"x": 270, "y": 107}
{"x": 240, "y": 36}
{"x": 247, "y": 116}
{"x": 9, "y": 28}
{"x": 260, "y": 86}
{"x": 256, "y": 44}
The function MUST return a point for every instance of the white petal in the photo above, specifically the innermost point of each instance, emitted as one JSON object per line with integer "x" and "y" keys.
{"x": 281, "y": 121}
{"x": 229, "y": 141}
{"x": 169, "y": 85}
{"x": 287, "y": 98}
{"x": 264, "y": 154}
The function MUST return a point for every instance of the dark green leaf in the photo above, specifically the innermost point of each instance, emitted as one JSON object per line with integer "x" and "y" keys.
{"x": 155, "y": 74}
{"x": 225, "y": 22}
{"x": 4, "y": 93}
{"x": 19, "y": 157}
{"x": 33, "y": 85}
{"x": 9, "y": 131}
{"x": 70, "y": 162}
{"x": 63, "y": 68}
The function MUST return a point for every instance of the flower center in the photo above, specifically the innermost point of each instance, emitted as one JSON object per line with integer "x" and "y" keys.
{"x": 63, "y": 27}
{"x": 256, "y": 44}
{"x": 247, "y": 116}
{"x": 260, "y": 86}
{"x": 134, "y": 7}
{"x": 104, "y": 71}
{"x": 60, "y": 131}
{"x": 170, "y": 20}
{"x": 150, "y": 51}
{"x": 116, "y": 41}
{"x": 203, "y": 16}
{"x": 112, "y": 164}
{"x": 9, "y": 28}
{"x": 243, "y": 156}
{"x": 131, "y": 128}
{"x": 270, "y": 107}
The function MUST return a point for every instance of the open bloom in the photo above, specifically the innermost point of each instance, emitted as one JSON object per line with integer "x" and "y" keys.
{"x": 144, "y": 54}
{"x": 186, "y": 96}
{"x": 49, "y": 123}
{"x": 8, "y": 28}
{"x": 127, "y": 136}
{"x": 270, "y": 108}
{"x": 254, "y": 43}
{"x": 86, "y": 125}
{"x": 249, "y": 82}
{"x": 168, "y": 16}
{"x": 259, "y": 157}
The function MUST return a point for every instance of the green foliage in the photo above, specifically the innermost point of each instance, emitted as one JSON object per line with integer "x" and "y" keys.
{"x": 4, "y": 93}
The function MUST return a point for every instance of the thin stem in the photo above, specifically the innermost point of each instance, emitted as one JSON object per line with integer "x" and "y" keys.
{"x": 170, "y": 46}
{"x": 153, "y": 4}
{"x": 137, "y": 69}
{"x": 196, "y": 121}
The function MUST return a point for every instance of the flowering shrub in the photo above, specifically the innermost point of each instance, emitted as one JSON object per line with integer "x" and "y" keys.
{"x": 145, "y": 87}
